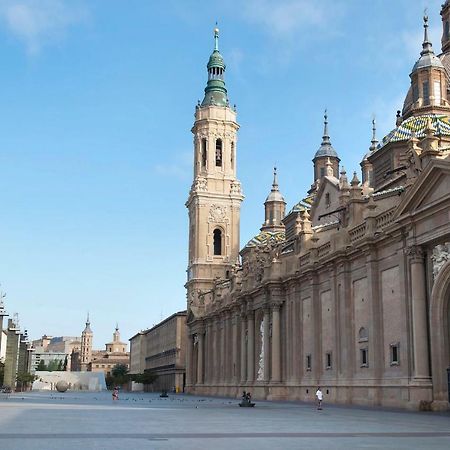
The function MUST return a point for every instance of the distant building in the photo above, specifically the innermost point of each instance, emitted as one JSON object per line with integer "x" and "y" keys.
{"x": 162, "y": 350}
{"x": 85, "y": 359}
{"x": 47, "y": 358}
{"x": 115, "y": 353}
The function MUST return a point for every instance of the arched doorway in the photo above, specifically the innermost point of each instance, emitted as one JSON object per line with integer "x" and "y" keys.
{"x": 440, "y": 337}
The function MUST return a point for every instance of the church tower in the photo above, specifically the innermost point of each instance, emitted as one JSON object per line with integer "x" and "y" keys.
{"x": 215, "y": 197}
{"x": 86, "y": 346}
{"x": 428, "y": 92}
{"x": 445, "y": 14}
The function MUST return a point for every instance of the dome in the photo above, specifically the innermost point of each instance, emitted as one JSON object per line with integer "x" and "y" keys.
{"x": 326, "y": 149}
{"x": 275, "y": 196}
{"x": 267, "y": 237}
{"x": 428, "y": 60}
{"x": 216, "y": 60}
{"x": 418, "y": 125}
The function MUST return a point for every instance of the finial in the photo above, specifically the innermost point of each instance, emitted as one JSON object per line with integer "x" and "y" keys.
{"x": 216, "y": 38}
{"x": 87, "y": 319}
{"x": 427, "y": 47}
{"x": 326, "y": 136}
{"x": 275, "y": 180}
{"x": 374, "y": 141}
{"x": 117, "y": 326}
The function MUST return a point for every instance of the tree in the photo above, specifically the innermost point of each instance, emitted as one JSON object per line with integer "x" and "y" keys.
{"x": 144, "y": 378}
{"x": 119, "y": 373}
{"x": 41, "y": 366}
{"x": 65, "y": 364}
{"x": 2, "y": 373}
{"x": 24, "y": 379}
{"x": 55, "y": 365}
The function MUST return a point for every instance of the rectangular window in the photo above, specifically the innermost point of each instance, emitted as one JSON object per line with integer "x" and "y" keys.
{"x": 395, "y": 354}
{"x": 426, "y": 93}
{"x": 322, "y": 172}
{"x": 437, "y": 92}
{"x": 308, "y": 362}
{"x": 415, "y": 92}
{"x": 328, "y": 360}
{"x": 204, "y": 153}
{"x": 364, "y": 357}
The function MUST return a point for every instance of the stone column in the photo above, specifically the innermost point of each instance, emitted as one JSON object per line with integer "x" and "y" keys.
{"x": 276, "y": 340}
{"x": 234, "y": 353}
{"x": 251, "y": 346}
{"x": 200, "y": 356}
{"x": 216, "y": 350}
{"x": 266, "y": 344}
{"x": 243, "y": 348}
{"x": 189, "y": 354}
{"x": 222, "y": 376}
{"x": 419, "y": 313}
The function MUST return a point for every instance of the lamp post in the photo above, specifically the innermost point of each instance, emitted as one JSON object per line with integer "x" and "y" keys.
{"x": 3, "y": 313}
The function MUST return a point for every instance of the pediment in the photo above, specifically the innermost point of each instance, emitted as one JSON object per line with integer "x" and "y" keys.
{"x": 319, "y": 207}
{"x": 431, "y": 188}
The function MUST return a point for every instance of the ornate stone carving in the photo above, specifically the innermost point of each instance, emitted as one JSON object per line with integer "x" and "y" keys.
{"x": 200, "y": 184}
{"x": 415, "y": 252}
{"x": 441, "y": 254}
{"x": 218, "y": 214}
{"x": 260, "y": 375}
{"x": 235, "y": 187}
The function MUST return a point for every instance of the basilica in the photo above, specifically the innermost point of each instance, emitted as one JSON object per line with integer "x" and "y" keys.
{"x": 350, "y": 288}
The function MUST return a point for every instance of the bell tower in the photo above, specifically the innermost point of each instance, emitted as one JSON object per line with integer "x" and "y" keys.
{"x": 215, "y": 197}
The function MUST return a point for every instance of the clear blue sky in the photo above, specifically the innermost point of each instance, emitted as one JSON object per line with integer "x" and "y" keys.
{"x": 97, "y": 102}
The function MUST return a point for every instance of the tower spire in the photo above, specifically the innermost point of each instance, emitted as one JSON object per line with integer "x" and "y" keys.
{"x": 326, "y": 136}
{"x": 215, "y": 91}
{"x": 427, "y": 47}
{"x": 216, "y": 39}
{"x": 275, "y": 180}
{"x": 374, "y": 141}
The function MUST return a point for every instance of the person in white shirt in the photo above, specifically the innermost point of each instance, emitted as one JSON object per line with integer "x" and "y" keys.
{"x": 319, "y": 396}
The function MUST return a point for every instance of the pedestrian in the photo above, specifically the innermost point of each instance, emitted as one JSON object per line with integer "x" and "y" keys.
{"x": 319, "y": 396}
{"x": 115, "y": 394}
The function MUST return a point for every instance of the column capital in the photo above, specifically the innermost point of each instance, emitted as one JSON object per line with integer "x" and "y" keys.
{"x": 275, "y": 305}
{"x": 415, "y": 253}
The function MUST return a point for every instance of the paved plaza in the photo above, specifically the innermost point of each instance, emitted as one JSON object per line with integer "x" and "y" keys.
{"x": 146, "y": 421}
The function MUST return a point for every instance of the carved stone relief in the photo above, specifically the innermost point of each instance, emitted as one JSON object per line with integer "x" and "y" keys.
{"x": 441, "y": 254}
{"x": 218, "y": 214}
{"x": 260, "y": 375}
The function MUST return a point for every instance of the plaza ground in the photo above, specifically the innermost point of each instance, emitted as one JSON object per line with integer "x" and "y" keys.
{"x": 137, "y": 421}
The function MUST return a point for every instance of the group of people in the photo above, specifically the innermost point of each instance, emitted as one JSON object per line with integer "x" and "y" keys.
{"x": 246, "y": 396}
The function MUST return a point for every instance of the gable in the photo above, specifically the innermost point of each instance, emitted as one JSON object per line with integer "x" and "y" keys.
{"x": 431, "y": 189}
{"x": 326, "y": 200}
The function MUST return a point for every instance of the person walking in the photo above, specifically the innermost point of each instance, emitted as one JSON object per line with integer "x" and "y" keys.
{"x": 115, "y": 394}
{"x": 319, "y": 396}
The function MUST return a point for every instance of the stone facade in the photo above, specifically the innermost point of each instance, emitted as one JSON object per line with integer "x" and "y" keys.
{"x": 352, "y": 291}
{"x": 161, "y": 350}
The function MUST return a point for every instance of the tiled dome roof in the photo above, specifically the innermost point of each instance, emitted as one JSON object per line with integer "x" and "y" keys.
{"x": 266, "y": 237}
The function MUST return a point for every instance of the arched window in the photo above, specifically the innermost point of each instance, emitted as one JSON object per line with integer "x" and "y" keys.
{"x": 363, "y": 335}
{"x": 327, "y": 200}
{"x": 217, "y": 241}
{"x": 204, "y": 153}
{"x": 219, "y": 153}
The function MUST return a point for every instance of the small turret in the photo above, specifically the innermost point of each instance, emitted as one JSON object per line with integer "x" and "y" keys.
{"x": 428, "y": 92}
{"x": 366, "y": 167}
{"x": 326, "y": 153}
{"x": 275, "y": 207}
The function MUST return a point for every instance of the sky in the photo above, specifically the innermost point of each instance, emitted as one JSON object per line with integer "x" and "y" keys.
{"x": 97, "y": 103}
